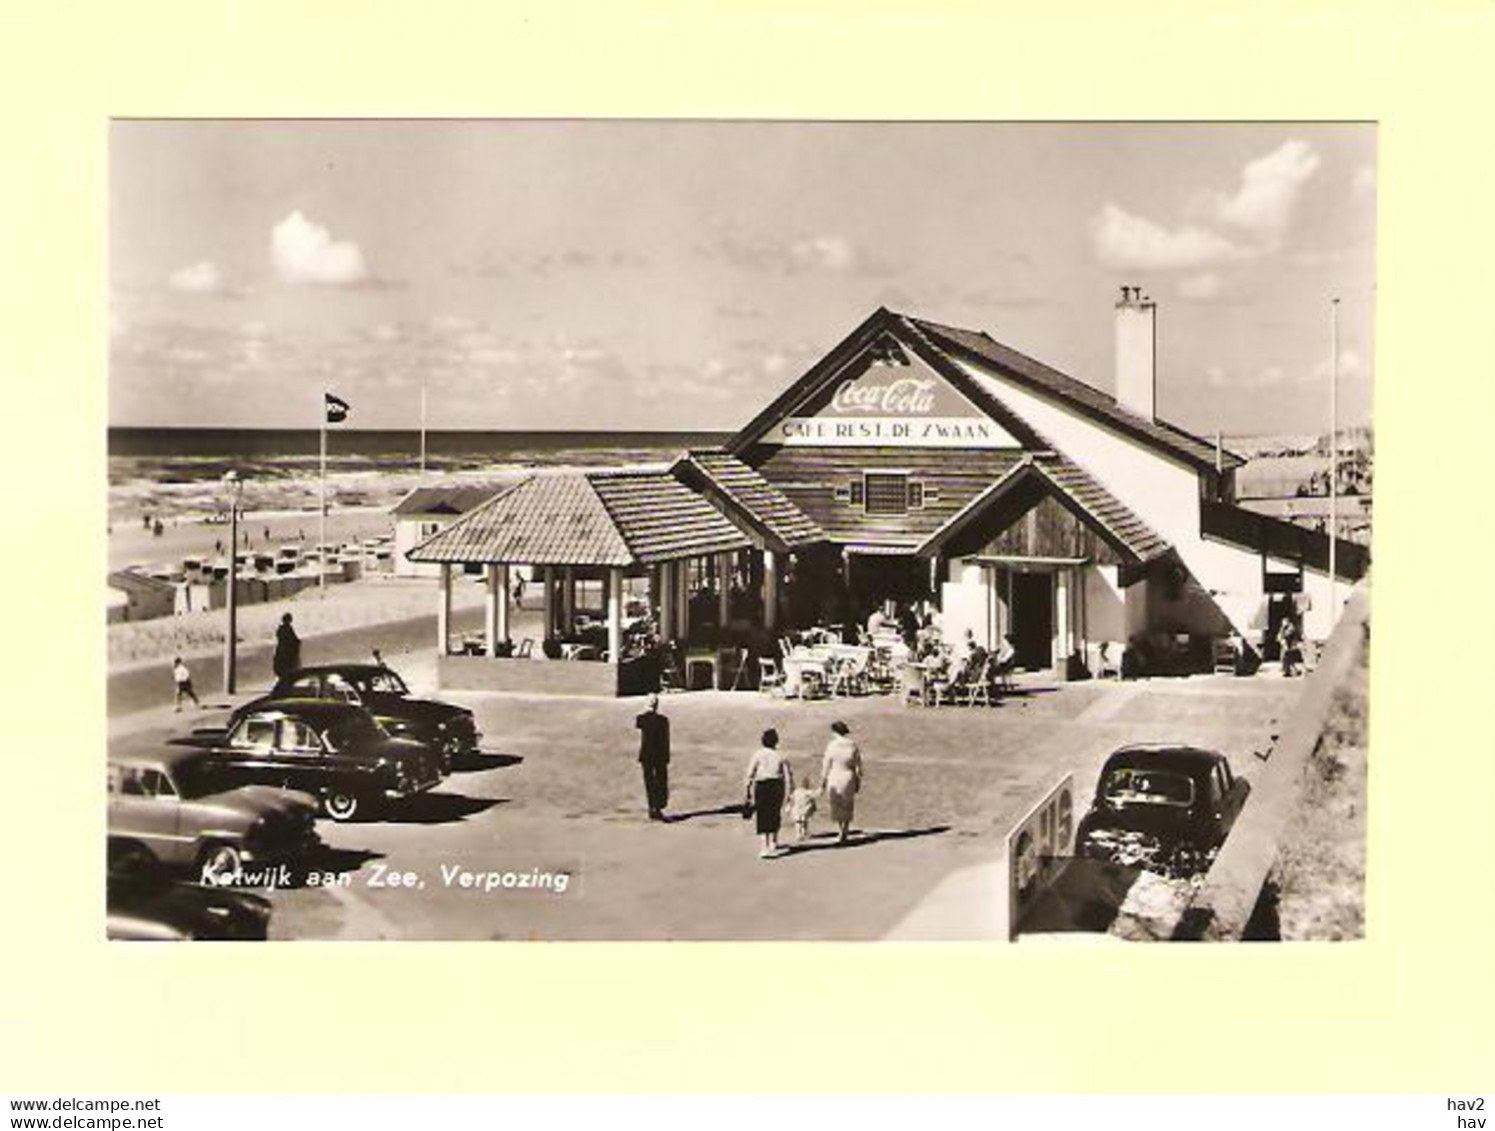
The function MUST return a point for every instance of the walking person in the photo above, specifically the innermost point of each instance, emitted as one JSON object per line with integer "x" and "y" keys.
{"x": 182, "y": 677}
{"x": 841, "y": 777}
{"x": 287, "y": 649}
{"x": 654, "y": 757}
{"x": 769, "y": 781}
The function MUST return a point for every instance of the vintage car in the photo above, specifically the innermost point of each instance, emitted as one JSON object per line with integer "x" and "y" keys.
{"x": 145, "y": 904}
{"x": 170, "y": 805}
{"x": 1166, "y": 809}
{"x": 335, "y": 751}
{"x": 444, "y": 727}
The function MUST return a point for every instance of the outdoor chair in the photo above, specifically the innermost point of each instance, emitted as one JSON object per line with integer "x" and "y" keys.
{"x": 812, "y": 682}
{"x": 979, "y": 689}
{"x": 771, "y": 679}
{"x": 1225, "y": 657}
{"x": 846, "y": 678}
{"x": 526, "y": 649}
{"x": 670, "y": 677}
{"x": 915, "y": 685}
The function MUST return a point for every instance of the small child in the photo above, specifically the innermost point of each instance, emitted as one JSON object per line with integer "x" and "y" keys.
{"x": 802, "y": 808}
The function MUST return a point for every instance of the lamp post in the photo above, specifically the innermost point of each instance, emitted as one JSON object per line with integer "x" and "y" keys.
{"x": 235, "y": 487}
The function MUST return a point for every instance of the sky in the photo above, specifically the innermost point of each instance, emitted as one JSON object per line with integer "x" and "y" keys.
{"x": 678, "y": 275}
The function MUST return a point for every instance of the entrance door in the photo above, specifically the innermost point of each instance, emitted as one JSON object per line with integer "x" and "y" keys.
{"x": 1033, "y": 620}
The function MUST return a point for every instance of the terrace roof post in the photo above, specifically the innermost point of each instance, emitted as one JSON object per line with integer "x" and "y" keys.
{"x": 444, "y": 611}
{"x": 568, "y": 601}
{"x": 501, "y": 628}
{"x": 770, "y": 590}
{"x": 682, "y": 599}
{"x": 614, "y": 584}
{"x": 493, "y": 600}
{"x": 548, "y": 609}
{"x": 723, "y": 590}
{"x": 666, "y": 599}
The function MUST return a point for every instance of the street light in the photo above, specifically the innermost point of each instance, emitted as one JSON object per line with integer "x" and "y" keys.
{"x": 235, "y": 487}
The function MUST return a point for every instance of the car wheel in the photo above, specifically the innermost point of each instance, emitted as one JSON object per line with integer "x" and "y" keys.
{"x": 222, "y": 860}
{"x": 340, "y": 806}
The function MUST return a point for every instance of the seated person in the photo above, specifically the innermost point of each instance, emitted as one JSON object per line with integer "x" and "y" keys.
{"x": 975, "y": 660}
{"x": 1006, "y": 654}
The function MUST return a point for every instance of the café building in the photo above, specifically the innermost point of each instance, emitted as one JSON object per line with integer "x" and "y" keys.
{"x": 916, "y": 464}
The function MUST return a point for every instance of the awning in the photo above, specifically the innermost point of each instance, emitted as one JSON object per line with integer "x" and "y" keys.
{"x": 1019, "y": 561}
{"x": 878, "y": 550}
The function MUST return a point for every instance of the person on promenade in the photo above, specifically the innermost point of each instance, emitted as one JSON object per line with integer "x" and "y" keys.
{"x": 769, "y": 781}
{"x": 841, "y": 777}
{"x": 182, "y": 677}
{"x": 654, "y": 757}
{"x": 287, "y": 649}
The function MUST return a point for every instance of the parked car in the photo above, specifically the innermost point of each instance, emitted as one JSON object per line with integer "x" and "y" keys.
{"x": 1166, "y": 809}
{"x": 337, "y": 752}
{"x": 444, "y": 727}
{"x": 171, "y": 806}
{"x": 145, "y": 904}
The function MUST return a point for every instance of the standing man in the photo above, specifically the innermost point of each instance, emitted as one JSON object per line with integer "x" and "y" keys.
{"x": 182, "y": 677}
{"x": 654, "y": 757}
{"x": 287, "y": 649}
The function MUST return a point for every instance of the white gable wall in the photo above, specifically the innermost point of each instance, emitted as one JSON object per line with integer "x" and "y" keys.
{"x": 1166, "y": 494}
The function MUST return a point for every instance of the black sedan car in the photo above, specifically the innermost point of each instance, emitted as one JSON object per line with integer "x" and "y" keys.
{"x": 444, "y": 727}
{"x": 144, "y": 904}
{"x": 1166, "y": 809}
{"x": 334, "y": 751}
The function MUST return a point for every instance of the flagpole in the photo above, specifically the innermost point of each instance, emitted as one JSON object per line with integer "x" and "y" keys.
{"x": 422, "y": 429}
{"x": 1333, "y": 459}
{"x": 322, "y": 510}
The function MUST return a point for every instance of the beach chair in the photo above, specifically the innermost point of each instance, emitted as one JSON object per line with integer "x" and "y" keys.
{"x": 771, "y": 678}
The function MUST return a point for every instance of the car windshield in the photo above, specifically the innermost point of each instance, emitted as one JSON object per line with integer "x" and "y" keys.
{"x": 1130, "y": 785}
{"x": 353, "y": 730}
{"x": 384, "y": 683}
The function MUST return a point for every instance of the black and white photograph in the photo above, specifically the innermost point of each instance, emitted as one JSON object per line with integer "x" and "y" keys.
{"x": 652, "y": 530}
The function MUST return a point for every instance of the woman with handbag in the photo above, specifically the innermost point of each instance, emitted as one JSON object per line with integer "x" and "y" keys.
{"x": 769, "y": 781}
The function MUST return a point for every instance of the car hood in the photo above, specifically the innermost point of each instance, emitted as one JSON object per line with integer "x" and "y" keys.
{"x": 191, "y": 908}
{"x": 416, "y": 710}
{"x": 255, "y": 801}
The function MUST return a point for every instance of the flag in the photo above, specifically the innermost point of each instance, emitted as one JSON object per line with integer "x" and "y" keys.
{"x": 337, "y": 409}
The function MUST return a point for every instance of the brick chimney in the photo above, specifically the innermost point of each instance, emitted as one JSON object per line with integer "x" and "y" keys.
{"x": 1136, "y": 353}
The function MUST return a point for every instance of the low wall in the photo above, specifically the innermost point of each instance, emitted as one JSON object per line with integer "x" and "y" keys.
{"x": 534, "y": 677}
{"x": 1222, "y": 906}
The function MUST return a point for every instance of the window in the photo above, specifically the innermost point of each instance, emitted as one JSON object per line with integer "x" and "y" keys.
{"x": 429, "y": 528}
{"x": 297, "y": 737}
{"x": 254, "y": 733}
{"x": 886, "y": 492}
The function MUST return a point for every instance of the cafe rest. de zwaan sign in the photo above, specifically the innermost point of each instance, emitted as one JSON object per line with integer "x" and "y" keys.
{"x": 891, "y": 406}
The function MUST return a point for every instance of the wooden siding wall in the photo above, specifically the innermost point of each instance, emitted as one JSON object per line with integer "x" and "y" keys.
{"x": 1049, "y": 530}
{"x": 810, "y": 476}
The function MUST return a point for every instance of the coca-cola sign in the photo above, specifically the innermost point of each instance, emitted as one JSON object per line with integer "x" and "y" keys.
{"x": 902, "y": 396}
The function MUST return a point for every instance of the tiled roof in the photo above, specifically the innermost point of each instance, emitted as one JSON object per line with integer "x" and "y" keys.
{"x": 1123, "y": 523}
{"x": 763, "y": 502}
{"x": 547, "y": 519}
{"x": 1120, "y": 524}
{"x": 662, "y": 519}
{"x": 445, "y": 500}
{"x": 971, "y": 344}
{"x": 597, "y": 517}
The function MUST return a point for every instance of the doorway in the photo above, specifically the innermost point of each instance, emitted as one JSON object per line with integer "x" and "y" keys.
{"x": 1033, "y": 620}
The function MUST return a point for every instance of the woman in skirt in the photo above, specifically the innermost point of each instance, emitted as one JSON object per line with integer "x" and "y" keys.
{"x": 769, "y": 781}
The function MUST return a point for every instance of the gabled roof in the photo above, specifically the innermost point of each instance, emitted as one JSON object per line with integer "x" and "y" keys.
{"x": 949, "y": 350}
{"x": 444, "y": 500}
{"x": 754, "y": 498}
{"x": 1107, "y": 515}
{"x": 985, "y": 351}
{"x": 594, "y": 517}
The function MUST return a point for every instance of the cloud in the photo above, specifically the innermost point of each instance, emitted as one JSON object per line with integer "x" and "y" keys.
{"x": 1270, "y": 186}
{"x": 828, "y": 252}
{"x": 202, "y": 278}
{"x": 1201, "y": 287}
{"x": 305, "y": 254}
{"x": 1129, "y": 242}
